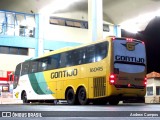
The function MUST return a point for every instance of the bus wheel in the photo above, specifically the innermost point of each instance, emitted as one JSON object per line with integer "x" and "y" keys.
{"x": 70, "y": 97}
{"x": 82, "y": 97}
{"x": 113, "y": 102}
{"x": 24, "y": 97}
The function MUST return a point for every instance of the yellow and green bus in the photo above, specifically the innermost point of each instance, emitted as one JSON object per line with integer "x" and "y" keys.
{"x": 109, "y": 70}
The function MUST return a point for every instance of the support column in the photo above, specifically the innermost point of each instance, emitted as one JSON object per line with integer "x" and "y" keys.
{"x": 115, "y": 30}
{"x": 36, "y": 34}
{"x": 95, "y": 19}
{"x": 40, "y": 42}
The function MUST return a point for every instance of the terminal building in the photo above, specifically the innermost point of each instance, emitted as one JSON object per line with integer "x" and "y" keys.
{"x": 28, "y": 35}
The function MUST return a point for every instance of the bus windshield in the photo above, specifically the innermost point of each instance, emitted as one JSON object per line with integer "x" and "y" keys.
{"x": 129, "y": 56}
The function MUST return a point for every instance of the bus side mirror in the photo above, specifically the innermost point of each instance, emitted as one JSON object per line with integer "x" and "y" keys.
{"x": 10, "y": 77}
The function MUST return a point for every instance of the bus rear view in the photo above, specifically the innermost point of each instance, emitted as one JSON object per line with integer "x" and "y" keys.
{"x": 127, "y": 79}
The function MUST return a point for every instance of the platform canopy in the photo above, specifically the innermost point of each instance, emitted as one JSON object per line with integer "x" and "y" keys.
{"x": 130, "y": 14}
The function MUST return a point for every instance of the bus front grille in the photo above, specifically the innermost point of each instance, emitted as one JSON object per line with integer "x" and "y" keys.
{"x": 99, "y": 85}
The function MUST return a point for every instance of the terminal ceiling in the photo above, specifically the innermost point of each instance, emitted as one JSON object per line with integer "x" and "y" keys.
{"x": 114, "y": 11}
{"x": 140, "y": 13}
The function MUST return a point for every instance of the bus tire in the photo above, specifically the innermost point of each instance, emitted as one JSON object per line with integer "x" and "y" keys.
{"x": 24, "y": 97}
{"x": 70, "y": 97}
{"x": 82, "y": 96}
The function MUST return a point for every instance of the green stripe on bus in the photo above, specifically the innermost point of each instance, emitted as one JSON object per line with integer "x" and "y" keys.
{"x": 38, "y": 83}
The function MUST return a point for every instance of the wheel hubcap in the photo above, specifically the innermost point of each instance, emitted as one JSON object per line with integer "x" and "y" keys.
{"x": 82, "y": 95}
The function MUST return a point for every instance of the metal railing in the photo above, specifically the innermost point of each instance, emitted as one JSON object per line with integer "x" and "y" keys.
{"x": 17, "y": 24}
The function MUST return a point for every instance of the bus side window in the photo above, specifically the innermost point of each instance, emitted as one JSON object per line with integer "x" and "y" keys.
{"x": 75, "y": 56}
{"x": 42, "y": 64}
{"x": 54, "y": 62}
{"x": 25, "y": 68}
{"x": 82, "y": 56}
{"x": 63, "y": 60}
{"x": 78, "y": 56}
{"x": 90, "y": 54}
{"x": 69, "y": 58}
{"x": 33, "y": 67}
{"x": 101, "y": 51}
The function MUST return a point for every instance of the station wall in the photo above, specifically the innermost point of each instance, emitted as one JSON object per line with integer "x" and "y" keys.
{"x": 72, "y": 34}
{"x": 54, "y": 37}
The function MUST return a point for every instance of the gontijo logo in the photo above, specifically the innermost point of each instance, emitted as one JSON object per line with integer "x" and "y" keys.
{"x": 130, "y": 45}
{"x": 64, "y": 73}
{"x": 17, "y": 94}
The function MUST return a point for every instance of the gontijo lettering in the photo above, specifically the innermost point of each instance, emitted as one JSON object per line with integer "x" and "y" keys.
{"x": 129, "y": 59}
{"x": 64, "y": 73}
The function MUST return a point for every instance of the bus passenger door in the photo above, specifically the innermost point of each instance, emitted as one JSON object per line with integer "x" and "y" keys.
{"x": 59, "y": 90}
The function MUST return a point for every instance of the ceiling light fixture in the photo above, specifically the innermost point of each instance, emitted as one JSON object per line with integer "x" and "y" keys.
{"x": 139, "y": 23}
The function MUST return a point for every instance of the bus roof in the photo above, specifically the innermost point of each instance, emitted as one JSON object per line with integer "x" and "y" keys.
{"x": 71, "y": 48}
{"x": 109, "y": 38}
